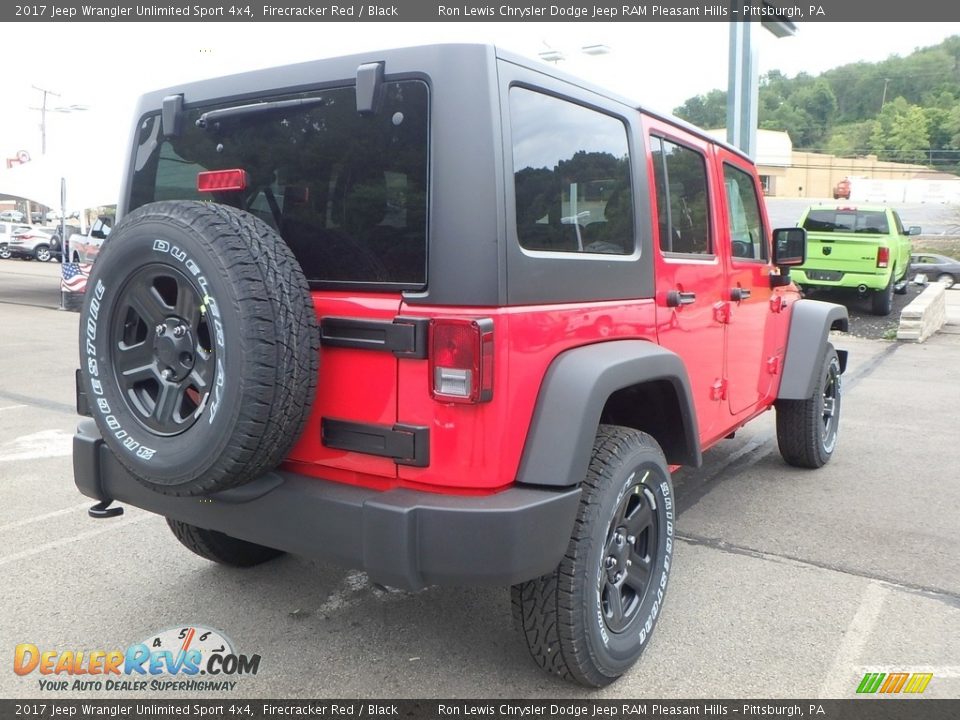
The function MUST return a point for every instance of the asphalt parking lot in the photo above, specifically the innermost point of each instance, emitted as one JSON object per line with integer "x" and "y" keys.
{"x": 787, "y": 583}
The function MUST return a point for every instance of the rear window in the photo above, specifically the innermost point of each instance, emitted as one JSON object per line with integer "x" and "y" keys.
{"x": 872, "y": 222}
{"x": 347, "y": 192}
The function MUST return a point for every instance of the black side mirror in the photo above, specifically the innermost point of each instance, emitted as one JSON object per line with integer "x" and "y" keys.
{"x": 914, "y": 230}
{"x": 789, "y": 249}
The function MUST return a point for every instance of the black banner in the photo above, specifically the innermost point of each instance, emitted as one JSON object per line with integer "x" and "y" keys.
{"x": 857, "y": 709}
{"x": 478, "y": 10}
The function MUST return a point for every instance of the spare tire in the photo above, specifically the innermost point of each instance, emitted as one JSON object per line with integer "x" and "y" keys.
{"x": 198, "y": 346}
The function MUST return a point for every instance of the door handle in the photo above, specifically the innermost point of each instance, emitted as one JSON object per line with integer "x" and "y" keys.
{"x": 676, "y": 298}
{"x": 737, "y": 294}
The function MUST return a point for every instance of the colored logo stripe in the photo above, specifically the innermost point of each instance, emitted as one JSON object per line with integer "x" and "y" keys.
{"x": 918, "y": 683}
{"x": 894, "y": 683}
{"x": 871, "y": 682}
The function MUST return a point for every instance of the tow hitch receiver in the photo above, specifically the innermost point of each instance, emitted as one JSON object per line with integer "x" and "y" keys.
{"x": 102, "y": 510}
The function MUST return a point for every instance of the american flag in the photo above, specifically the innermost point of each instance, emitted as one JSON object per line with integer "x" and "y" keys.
{"x": 73, "y": 277}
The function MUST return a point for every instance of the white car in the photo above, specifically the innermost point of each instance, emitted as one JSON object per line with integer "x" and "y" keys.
{"x": 7, "y": 231}
{"x": 33, "y": 243}
{"x": 14, "y": 216}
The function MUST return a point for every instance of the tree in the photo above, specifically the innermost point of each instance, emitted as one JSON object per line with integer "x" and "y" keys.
{"x": 900, "y": 132}
{"x": 706, "y": 111}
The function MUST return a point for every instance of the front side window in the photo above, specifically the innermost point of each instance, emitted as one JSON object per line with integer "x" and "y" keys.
{"x": 747, "y": 239}
{"x": 347, "y": 192}
{"x": 683, "y": 208}
{"x": 571, "y": 170}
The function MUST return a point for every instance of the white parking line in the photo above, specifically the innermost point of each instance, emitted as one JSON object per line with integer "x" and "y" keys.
{"x": 837, "y": 681}
{"x": 43, "y": 444}
{"x": 110, "y": 525}
{"x": 11, "y": 407}
{"x": 45, "y": 516}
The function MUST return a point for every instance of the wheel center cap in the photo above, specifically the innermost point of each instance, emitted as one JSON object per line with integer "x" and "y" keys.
{"x": 173, "y": 348}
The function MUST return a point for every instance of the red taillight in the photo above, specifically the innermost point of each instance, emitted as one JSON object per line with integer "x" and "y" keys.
{"x": 883, "y": 257}
{"x": 222, "y": 180}
{"x": 461, "y": 360}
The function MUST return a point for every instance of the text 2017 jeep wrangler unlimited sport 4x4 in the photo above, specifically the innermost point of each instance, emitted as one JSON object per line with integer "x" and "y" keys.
{"x": 447, "y": 316}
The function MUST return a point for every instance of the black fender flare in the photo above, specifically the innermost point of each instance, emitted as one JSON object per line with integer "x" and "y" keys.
{"x": 810, "y": 324}
{"x": 575, "y": 390}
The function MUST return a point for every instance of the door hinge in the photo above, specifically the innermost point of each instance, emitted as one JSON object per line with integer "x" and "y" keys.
{"x": 718, "y": 391}
{"x": 721, "y": 312}
{"x": 777, "y": 303}
{"x": 773, "y": 365}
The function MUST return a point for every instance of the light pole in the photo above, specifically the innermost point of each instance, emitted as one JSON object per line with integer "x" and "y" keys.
{"x": 43, "y": 109}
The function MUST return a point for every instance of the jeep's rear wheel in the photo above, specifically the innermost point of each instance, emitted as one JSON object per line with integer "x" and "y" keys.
{"x": 591, "y": 618}
{"x": 199, "y": 346}
{"x": 807, "y": 430}
{"x": 221, "y": 548}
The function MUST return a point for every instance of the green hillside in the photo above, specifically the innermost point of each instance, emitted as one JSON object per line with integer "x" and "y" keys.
{"x": 905, "y": 109}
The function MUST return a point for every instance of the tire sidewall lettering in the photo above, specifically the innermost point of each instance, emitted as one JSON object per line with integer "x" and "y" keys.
{"x": 210, "y": 307}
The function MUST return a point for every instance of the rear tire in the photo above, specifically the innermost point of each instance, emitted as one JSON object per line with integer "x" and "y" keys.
{"x": 882, "y": 301}
{"x": 221, "y": 548}
{"x": 590, "y": 619}
{"x": 807, "y": 430}
{"x": 42, "y": 253}
{"x": 946, "y": 279}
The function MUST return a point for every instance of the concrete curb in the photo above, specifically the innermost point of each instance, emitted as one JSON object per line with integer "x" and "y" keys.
{"x": 925, "y": 315}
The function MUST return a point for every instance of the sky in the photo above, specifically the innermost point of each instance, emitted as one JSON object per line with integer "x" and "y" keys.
{"x": 106, "y": 66}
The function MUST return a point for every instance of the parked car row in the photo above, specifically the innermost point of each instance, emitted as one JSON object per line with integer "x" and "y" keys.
{"x": 28, "y": 242}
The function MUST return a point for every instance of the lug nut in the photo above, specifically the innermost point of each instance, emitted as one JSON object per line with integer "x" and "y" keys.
{"x": 631, "y": 539}
{"x": 611, "y": 562}
{"x": 167, "y": 374}
{"x": 179, "y": 331}
{"x": 161, "y": 329}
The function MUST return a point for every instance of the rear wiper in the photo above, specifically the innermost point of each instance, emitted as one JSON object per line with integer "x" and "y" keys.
{"x": 211, "y": 120}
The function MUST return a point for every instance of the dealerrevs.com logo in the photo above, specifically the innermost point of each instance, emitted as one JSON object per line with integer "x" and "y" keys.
{"x": 191, "y": 658}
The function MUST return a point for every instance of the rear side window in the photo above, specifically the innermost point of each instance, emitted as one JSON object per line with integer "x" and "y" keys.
{"x": 871, "y": 222}
{"x": 571, "y": 170}
{"x": 683, "y": 208}
{"x": 347, "y": 192}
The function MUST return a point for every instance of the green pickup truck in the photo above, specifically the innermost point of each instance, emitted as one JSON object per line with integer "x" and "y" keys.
{"x": 864, "y": 249}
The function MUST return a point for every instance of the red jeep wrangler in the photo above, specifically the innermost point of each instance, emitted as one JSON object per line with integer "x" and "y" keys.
{"x": 447, "y": 316}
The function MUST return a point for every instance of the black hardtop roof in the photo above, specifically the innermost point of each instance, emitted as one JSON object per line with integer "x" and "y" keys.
{"x": 402, "y": 60}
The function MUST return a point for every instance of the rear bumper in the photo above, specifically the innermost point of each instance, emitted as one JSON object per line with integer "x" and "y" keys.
{"x": 847, "y": 280}
{"x": 401, "y": 538}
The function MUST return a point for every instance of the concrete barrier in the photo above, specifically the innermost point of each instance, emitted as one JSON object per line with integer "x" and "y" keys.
{"x": 924, "y": 316}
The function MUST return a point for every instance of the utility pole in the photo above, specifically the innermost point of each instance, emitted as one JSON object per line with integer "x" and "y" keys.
{"x": 43, "y": 116}
{"x": 883, "y": 100}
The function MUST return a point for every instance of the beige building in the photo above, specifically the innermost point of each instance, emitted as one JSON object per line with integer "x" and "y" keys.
{"x": 786, "y": 172}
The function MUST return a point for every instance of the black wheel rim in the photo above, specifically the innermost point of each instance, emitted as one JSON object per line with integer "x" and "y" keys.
{"x": 629, "y": 555}
{"x": 162, "y": 350}
{"x": 831, "y": 407}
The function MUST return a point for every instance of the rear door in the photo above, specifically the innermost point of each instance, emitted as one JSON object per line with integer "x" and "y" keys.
{"x": 691, "y": 274}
